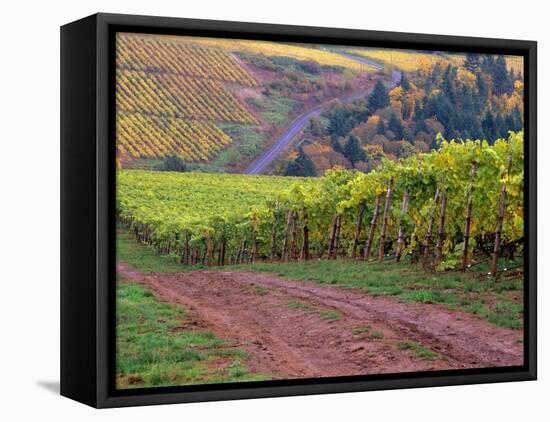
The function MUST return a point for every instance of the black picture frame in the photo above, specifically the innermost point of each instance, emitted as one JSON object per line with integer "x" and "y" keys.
{"x": 87, "y": 210}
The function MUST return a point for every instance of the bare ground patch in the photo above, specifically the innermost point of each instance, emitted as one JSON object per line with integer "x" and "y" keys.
{"x": 302, "y": 329}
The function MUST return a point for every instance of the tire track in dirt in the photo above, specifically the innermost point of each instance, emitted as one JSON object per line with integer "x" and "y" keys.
{"x": 303, "y": 329}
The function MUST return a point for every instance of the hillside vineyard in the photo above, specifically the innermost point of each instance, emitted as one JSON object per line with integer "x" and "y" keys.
{"x": 170, "y": 98}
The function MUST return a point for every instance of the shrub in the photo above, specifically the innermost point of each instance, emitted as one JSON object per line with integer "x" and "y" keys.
{"x": 172, "y": 162}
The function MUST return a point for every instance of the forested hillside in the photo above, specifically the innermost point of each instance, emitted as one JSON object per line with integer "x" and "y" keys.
{"x": 461, "y": 97}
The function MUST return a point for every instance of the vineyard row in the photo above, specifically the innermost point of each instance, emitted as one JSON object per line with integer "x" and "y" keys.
{"x": 438, "y": 208}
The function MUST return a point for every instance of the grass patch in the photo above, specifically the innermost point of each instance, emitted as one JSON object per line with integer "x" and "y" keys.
{"x": 379, "y": 335}
{"x": 143, "y": 258}
{"x": 275, "y": 109}
{"x": 261, "y": 290}
{"x": 330, "y": 315}
{"x": 298, "y": 305}
{"x": 326, "y": 315}
{"x": 154, "y": 349}
{"x": 361, "y": 329}
{"x": 429, "y": 296}
{"x": 420, "y": 351}
{"x": 504, "y": 314}
{"x": 247, "y": 144}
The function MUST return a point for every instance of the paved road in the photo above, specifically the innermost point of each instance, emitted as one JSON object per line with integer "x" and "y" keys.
{"x": 364, "y": 60}
{"x": 267, "y": 157}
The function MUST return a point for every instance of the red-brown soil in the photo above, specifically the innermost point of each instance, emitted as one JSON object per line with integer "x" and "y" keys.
{"x": 303, "y": 329}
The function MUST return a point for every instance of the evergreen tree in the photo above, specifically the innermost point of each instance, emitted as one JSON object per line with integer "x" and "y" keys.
{"x": 482, "y": 92}
{"x": 337, "y": 122}
{"x": 335, "y": 143}
{"x": 341, "y": 121}
{"x": 404, "y": 82}
{"x": 353, "y": 151}
{"x": 381, "y": 127}
{"x": 420, "y": 126}
{"x": 379, "y": 98}
{"x": 445, "y": 112}
{"x": 517, "y": 120}
{"x": 406, "y": 110}
{"x": 501, "y": 131}
{"x": 488, "y": 64}
{"x": 488, "y": 126}
{"x": 476, "y": 132}
{"x": 472, "y": 62}
{"x": 435, "y": 77}
{"x": 501, "y": 79}
{"x": 395, "y": 126}
{"x": 301, "y": 166}
{"x": 418, "y": 111}
{"x": 449, "y": 86}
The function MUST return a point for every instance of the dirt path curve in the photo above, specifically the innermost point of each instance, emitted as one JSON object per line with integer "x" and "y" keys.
{"x": 304, "y": 329}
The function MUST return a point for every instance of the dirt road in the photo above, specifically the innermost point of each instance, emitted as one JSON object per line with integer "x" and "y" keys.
{"x": 304, "y": 329}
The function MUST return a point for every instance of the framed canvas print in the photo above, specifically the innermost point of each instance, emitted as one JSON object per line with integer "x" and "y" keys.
{"x": 253, "y": 210}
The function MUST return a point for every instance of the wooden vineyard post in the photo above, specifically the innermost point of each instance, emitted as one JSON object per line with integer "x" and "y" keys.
{"x": 273, "y": 235}
{"x": 221, "y": 258}
{"x": 243, "y": 254}
{"x": 194, "y": 255}
{"x": 285, "y": 237}
{"x": 209, "y": 253}
{"x": 428, "y": 241}
{"x": 294, "y": 237}
{"x": 500, "y": 222}
{"x": 441, "y": 234}
{"x": 304, "y": 254}
{"x": 404, "y": 209}
{"x": 358, "y": 227}
{"x": 204, "y": 255}
{"x": 468, "y": 221}
{"x": 381, "y": 250}
{"x": 185, "y": 253}
{"x": 239, "y": 253}
{"x": 372, "y": 229}
{"x": 336, "y": 245}
{"x": 332, "y": 236}
{"x": 254, "y": 243}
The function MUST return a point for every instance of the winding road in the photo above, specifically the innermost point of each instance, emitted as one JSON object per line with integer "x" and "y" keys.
{"x": 267, "y": 157}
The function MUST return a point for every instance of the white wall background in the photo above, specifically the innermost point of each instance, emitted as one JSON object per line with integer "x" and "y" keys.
{"x": 29, "y": 209}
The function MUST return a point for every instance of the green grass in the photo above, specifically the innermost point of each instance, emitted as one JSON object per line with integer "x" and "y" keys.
{"x": 429, "y": 296}
{"x": 143, "y": 258}
{"x": 420, "y": 351}
{"x": 326, "y": 315}
{"x": 330, "y": 315}
{"x": 261, "y": 290}
{"x": 275, "y": 109}
{"x": 294, "y": 304}
{"x": 361, "y": 329}
{"x": 154, "y": 348}
{"x": 247, "y": 144}
{"x": 504, "y": 314}
{"x": 379, "y": 335}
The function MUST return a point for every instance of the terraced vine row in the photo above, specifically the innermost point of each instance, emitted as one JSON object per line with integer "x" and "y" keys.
{"x": 439, "y": 208}
{"x": 135, "y": 52}
{"x": 170, "y": 96}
